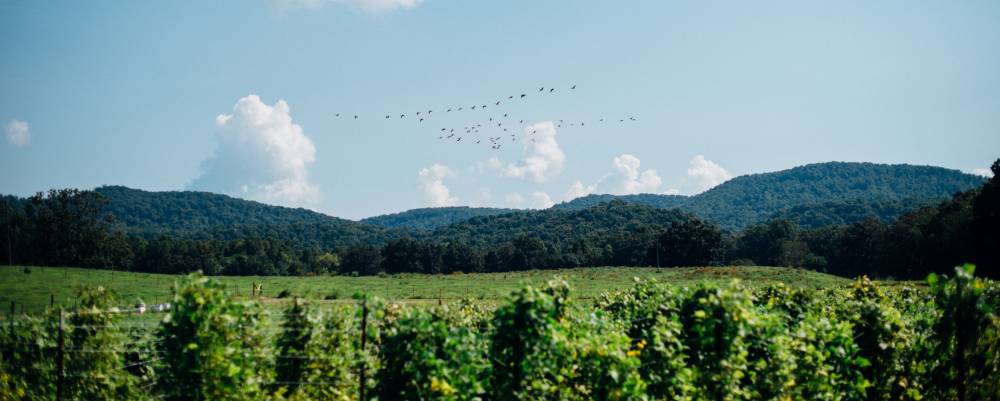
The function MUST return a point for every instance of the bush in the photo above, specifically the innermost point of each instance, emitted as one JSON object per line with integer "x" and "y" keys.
{"x": 211, "y": 346}
{"x": 428, "y": 357}
{"x": 540, "y": 353}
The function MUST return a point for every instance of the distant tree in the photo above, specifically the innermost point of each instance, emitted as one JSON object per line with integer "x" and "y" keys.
{"x": 362, "y": 258}
{"x": 691, "y": 243}
{"x": 986, "y": 225}
{"x": 765, "y": 243}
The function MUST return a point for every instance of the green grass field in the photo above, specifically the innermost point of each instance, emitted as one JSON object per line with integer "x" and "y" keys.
{"x": 33, "y": 291}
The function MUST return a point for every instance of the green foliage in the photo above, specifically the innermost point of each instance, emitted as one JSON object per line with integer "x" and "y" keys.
{"x": 751, "y": 199}
{"x": 94, "y": 363}
{"x": 427, "y": 356}
{"x": 865, "y": 341}
{"x": 966, "y": 333}
{"x": 539, "y": 352}
{"x": 827, "y": 364}
{"x": 316, "y": 355}
{"x": 432, "y": 217}
{"x": 716, "y": 324}
{"x": 27, "y": 363}
{"x": 211, "y": 345}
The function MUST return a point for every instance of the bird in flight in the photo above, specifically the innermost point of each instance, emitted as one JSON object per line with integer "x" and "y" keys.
{"x": 386, "y": 116}
{"x": 355, "y": 116}
{"x": 523, "y": 95}
{"x": 498, "y": 103}
{"x": 551, "y": 90}
{"x": 573, "y": 87}
{"x": 337, "y": 115}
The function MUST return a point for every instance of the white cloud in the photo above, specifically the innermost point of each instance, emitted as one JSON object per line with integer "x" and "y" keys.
{"x": 514, "y": 199}
{"x": 627, "y": 178}
{"x": 671, "y": 191}
{"x": 17, "y": 132}
{"x": 578, "y": 189}
{"x": 431, "y": 183}
{"x": 369, "y": 6}
{"x": 706, "y": 173}
{"x": 543, "y": 158}
{"x": 261, "y": 155}
{"x": 542, "y": 200}
{"x": 491, "y": 164}
{"x": 984, "y": 172}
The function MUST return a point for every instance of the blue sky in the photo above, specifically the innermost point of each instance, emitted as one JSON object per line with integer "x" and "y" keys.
{"x": 240, "y": 97}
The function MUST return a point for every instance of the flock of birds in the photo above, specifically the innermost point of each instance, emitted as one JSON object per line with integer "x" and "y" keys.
{"x": 495, "y": 123}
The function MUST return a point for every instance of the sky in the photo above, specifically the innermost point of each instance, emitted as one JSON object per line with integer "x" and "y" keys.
{"x": 257, "y": 98}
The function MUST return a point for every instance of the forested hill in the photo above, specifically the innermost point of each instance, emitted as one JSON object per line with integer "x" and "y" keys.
{"x": 814, "y": 192}
{"x": 204, "y": 215}
{"x": 432, "y": 217}
{"x": 596, "y": 224}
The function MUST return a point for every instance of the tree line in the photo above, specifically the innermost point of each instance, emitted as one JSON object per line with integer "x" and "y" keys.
{"x": 69, "y": 228}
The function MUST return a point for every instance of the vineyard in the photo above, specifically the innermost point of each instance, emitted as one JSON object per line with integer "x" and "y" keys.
{"x": 705, "y": 341}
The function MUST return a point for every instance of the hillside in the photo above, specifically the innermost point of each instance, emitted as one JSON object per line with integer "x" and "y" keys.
{"x": 432, "y": 217}
{"x": 879, "y": 189}
{"x": 560, "y": 226}
{"x": 204, "y": 215}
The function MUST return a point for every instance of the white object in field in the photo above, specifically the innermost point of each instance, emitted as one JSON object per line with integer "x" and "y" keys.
{"x": 142, "y": 308}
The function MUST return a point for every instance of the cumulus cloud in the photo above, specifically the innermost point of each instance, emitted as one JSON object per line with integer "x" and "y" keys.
{"x": 627, "y": 178}
{"x": 514, "y": 199}
{"x": 542, "y": 200}
{"x": 543, "y": 159}
{"x": 17, "y": 132}
{"x": 491, "y": 164}
{"x": 369, "y": 6}
{"x": 578, "y": 189}
{"x": 431, "y": 183}
{"x": 261, "y": 155}
{"x": 705, "y": 173}
{"x": 984, "y": 172}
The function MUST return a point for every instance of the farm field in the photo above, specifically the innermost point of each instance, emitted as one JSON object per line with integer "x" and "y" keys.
{"x": 33, "y": 291}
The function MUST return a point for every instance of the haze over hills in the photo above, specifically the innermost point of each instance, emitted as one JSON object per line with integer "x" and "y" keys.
{"x": 813, "y": 195}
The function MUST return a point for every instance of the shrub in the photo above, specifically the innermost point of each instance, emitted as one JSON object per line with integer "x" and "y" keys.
{"x": 96, "y": 350}
{"x": 429, "y": 357}
{"x": 827, "y": 365}
{"x": 966, "y": 337}
{"x": 211, "y": 346}
{"x": 539, "y": 353}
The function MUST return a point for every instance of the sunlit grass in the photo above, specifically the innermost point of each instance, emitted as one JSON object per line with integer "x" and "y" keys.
{"x": 34, "y": 291}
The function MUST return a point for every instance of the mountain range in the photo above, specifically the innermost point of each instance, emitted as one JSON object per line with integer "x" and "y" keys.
{"x": 813, "y": 195}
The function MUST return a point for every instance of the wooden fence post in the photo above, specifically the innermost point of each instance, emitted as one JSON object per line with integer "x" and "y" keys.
{"x": 60, "y": 372}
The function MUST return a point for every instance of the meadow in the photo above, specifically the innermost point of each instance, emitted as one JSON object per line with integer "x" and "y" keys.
{"x": 34, "y": 288}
